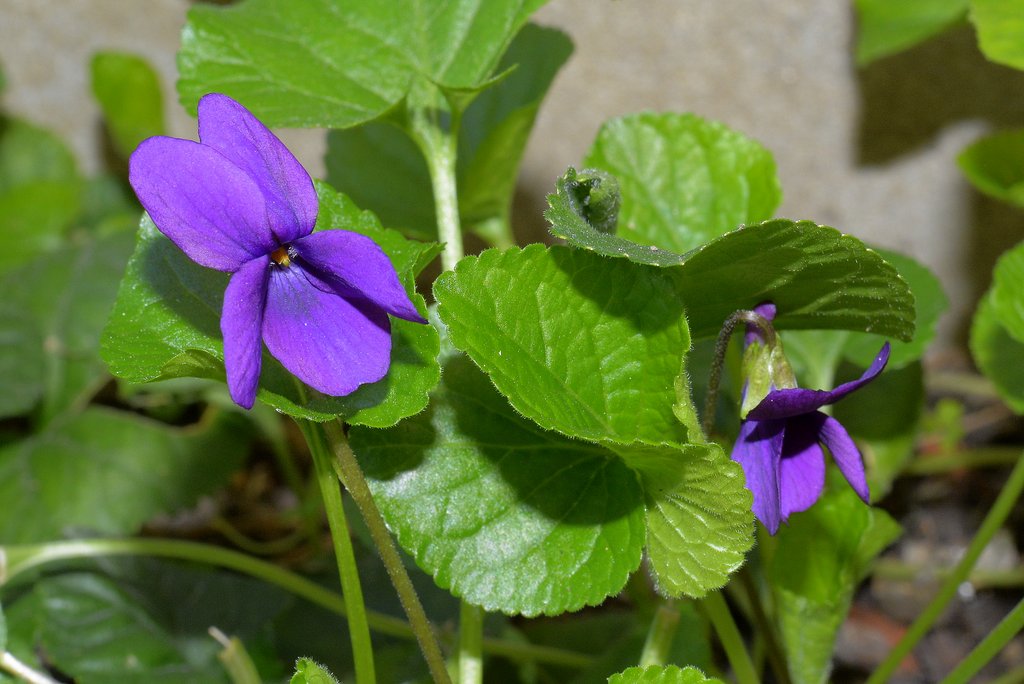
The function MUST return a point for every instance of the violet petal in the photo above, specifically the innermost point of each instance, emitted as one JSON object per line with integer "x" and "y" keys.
{"x": 758, "y": 450}
{"x": 785, "y": 403}
{"x": 206, "y": 205}
{"x": 232, "y": 130}
{"x": 353, "y": 265}
{"x": 331, "y": 344}
{"x": 802, "y": 468}
{"x": 845, "y": 454}
{"x": 241, "y": 323}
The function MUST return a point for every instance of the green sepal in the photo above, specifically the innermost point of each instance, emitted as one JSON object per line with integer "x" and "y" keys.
{"x": 765, "y": 368}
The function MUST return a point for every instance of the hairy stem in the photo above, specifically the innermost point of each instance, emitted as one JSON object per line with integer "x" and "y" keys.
{"x": 440, "y": 149}
{"x": 351, "y": 475}
{"x": 722, "y": 346}
{"x": 993, "y": 521}
{"x": 359, "y": 629}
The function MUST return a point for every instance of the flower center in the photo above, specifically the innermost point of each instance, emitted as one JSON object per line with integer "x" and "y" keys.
{"x": 280, "y": 256}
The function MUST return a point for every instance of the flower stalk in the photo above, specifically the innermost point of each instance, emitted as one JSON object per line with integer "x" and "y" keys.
{"x": 717, "y": 611}
{"x": 660, "y": 635}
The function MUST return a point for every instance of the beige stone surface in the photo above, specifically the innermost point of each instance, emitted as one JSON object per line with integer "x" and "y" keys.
{"x": 871, "y": 152}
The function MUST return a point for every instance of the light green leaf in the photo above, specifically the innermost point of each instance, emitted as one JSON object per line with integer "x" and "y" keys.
{"x": 1007, "y": 294}
{"x": 998, "y": 354}
{"x": 310, "y": 672}
{"x": 822, "y": 555}
{"x": 144, "y": 621}
{"x": 661, "y": 674}
{"x": 1000, "y": 25}
{"x": 68, "y": 294}
{"x": 684, "y": 180}
{"x": 888, "y": 27}
{"x": 505, "y": 515}
{"x": 699, "y": 520}
{"x": 128, "y": 91}
{"x": 995, "y": 165}
{"x": 337, "y": 64}
{"x": 818, "y": 278}
{"x": 380, "y": 167}
{"x": 166, "y": 324}
{"x": 109, "y": 472}
{"x": 578, "y": 343}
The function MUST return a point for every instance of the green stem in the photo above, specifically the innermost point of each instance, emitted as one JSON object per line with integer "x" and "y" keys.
{"x": 359, "y": 629}
{"x": 22, "y": 671}
{"x": 1014, "y": 676}
{"x": 891, "y": 569}
{"x": 971, "y": 458}
{"x": 993, "y": 521}
{"x": 439, "y": 148}
{"x": 236, "y": 659}
{"x": 717, "y": 611}
{"x": 471, "y": 637}
{"x": 347, "y": 468}
{"x": 989, "y": 647}
{"x": 660, "y": 635}
{"x": 765, "y": 628}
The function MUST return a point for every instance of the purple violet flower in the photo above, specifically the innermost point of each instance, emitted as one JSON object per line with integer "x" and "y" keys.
{"x": 239, "y": 201}
{"x": 779, "y": 445}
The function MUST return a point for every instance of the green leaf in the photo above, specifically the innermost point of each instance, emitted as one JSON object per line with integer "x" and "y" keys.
{"x": 67, "y": 295}
{"x": 128, "y": 91}
{"x": 930, "y": 302}
{"x": 23, "y": 363}
{"x": 109, "y": 472}
{"x": 1000, "y": 25}
{"x": 3, "y": 630}
{"x": 144, "y": 621}
{"x": 309, "y": 672}
{"x": 505, "y": 515}
{"x": 337, "y": 64}
{"x": 661, "y": 674}
{"x": 581, "y": 344}
{"x": 995, "y": 165}
{"x": 998, "y": 354}
{"x": 378, "y": 162}
{"x": 684, "y": 179}
{"x": 888, "y": 27}
{"x": 818, "y": 278}
{"x": 166, "y": 324}
{"x": 822, "y": 555}
{"x": 40, "y": 191}
{"x": 699, "y": 520}
{"x": 1008, "y": 291}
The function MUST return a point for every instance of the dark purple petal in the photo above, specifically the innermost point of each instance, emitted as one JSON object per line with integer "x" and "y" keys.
{"x": 331, "y": 344}
{"x": 802, "y": 468}
{"x": 232, "y": 130}
{"x": 758, "y": 449}
{"x": 785, "y": 403}
{"x": 241, "y": 323}
{"x": 353, "y": 265}
{"x": 845, "y": 454}
{"x": 206, "y": 205}
{"x": 753, "y": 333}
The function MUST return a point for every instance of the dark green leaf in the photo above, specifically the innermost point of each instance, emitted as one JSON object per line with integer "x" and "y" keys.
{"x": 144, "y": 622}
{"x": 309, "y": 672}
{"x": 684, "y": 180}
{"x": 505, "y": 515}
{"x": 822, "y": 555}
{"x": 1000, "y": 25}
{"x": 661, "y": 674}
{"x": 995, "y": 165}
{"x": 166, "y": 324}
{"x": 109, "y": 472}
{"x": 67, "y": 294}
{"x": 998, "y": 354}
{"x": 337, "y": 64}
{"x": 3, "y": 631}
{"x": 818, "y": 278}
{"x": 128, "y": 91}
{"x": 578, "y": 343}
{"x": 23, "y": 363}
{"x": 888, "y": 27}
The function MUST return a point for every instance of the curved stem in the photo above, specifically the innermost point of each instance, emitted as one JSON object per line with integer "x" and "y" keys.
{"x": 22, "y": 671}
{"x": 715, "y": 608}
{"x": 660, "y": 635}
{"x": 993, "y": 521}
{"x": 721, "y": 346}
{"x": 359, "y": 629}
{"x": 471, "y": 636}
{"x": 347, "y": 468}
{"x": 989, "y": 647}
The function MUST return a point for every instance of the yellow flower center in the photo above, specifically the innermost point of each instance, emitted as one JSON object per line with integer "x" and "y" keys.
{"x": 280, "y": 256}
